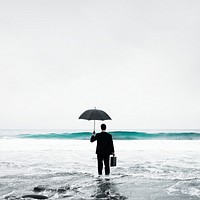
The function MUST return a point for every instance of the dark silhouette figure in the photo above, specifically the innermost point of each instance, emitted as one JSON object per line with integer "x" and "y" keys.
{"x": 104, "y": 149}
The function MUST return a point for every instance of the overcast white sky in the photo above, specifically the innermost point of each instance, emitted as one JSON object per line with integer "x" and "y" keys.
{"x": 139, "y": 60}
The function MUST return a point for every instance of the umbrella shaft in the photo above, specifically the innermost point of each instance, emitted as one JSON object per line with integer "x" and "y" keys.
{"x": 94, "y": 125}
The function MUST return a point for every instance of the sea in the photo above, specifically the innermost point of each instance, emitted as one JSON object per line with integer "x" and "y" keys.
{"x": 62, "y": 164}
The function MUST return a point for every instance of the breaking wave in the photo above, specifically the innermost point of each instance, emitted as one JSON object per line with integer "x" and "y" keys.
{"x": 118, "y": 135}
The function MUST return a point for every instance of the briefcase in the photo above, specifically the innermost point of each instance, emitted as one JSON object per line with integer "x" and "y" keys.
{"x": 113, "y": 161}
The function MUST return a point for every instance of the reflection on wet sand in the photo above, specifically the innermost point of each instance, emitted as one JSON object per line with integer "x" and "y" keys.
{"x": 106, "y": 190}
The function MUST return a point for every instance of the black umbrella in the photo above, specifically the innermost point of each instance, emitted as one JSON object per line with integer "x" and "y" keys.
{"x": 95, "y": 114}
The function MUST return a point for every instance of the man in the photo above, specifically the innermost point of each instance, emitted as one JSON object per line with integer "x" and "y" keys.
{"x": 104, "y": 149}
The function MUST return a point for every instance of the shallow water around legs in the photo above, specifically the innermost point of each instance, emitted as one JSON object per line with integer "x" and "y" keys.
{"x": 66, "y": 169}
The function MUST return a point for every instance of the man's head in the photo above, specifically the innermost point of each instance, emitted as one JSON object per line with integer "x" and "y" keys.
{"x": 103, "y": 127}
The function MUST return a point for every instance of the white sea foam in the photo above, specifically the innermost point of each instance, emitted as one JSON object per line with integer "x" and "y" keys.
{"x": 145, "y": 170}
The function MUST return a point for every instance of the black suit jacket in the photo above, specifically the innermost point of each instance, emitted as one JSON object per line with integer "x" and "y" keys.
{"x": 104, "y": 143}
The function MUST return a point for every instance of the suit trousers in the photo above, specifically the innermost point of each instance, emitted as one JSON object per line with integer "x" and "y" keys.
{"x": 106, "y": 160}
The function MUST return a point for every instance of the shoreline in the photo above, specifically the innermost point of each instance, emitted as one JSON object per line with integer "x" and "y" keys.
{"x": 146, "y": 169}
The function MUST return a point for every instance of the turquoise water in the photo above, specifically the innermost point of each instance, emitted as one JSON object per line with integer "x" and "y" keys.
{"x": 118, "y": 135}
{"x": 192, "y": 134}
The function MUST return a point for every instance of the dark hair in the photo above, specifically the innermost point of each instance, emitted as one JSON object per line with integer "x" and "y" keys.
{"x": 103, "y": 127}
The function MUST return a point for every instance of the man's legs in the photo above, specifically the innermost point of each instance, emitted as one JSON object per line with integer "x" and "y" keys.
{"x": 100, "y": 163}
{"x": 107, "y": 164}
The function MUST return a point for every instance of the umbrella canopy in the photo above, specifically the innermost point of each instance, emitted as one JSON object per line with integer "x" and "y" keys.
{"x": 95, "y": 114}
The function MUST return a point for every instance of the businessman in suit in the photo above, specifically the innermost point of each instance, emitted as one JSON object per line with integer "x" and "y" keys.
{"x": 104, "y": 149}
